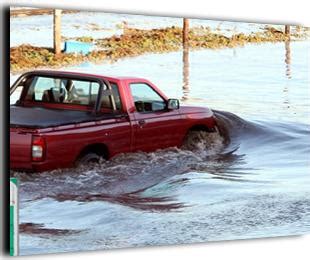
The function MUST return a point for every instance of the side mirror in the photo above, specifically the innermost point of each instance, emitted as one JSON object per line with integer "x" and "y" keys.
{"x": 173, "y": 104}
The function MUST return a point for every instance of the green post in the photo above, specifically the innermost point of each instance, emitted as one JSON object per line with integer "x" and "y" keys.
{"x": 13, "y": 217}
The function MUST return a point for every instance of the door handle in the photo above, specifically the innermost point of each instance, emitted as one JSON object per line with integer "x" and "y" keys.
{"x": 141, "y": 122}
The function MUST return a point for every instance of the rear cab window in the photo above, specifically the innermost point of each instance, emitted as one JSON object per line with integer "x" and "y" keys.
{"x": 64, "y": 91}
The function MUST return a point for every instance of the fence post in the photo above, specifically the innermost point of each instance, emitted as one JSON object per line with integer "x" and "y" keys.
{"x": 185, "y": 33}
{"x": 57, "y": 31}
{"x": 287, "y": 30}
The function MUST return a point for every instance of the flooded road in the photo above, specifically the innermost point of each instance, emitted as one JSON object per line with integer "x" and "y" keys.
{"x": 250, "y": 181}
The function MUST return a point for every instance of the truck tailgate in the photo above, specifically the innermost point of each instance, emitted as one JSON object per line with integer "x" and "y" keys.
{"x": 20, "y": 149}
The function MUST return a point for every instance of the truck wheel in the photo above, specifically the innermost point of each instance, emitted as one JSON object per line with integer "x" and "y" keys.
{"x": 88, "y": 158}
{"x": 194, "y": 140}
{"x": 209, "y": 143}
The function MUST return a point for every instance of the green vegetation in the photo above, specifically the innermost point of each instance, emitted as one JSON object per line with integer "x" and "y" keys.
{"x": 136, "y": 42}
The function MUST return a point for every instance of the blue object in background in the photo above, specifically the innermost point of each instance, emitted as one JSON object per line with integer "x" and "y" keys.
{"x": 78, "y": 47}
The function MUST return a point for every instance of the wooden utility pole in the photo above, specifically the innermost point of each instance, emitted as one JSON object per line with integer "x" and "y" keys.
{"x": 57, "y": 31}
{"x": 287, "y": 30}
{"x": 185, "y": 33}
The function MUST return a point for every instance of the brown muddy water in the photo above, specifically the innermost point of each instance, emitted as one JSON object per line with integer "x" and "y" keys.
{"x": 250, "y": 181}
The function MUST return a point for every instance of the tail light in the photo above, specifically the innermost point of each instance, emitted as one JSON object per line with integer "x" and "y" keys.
{"x": 38, "y": 148}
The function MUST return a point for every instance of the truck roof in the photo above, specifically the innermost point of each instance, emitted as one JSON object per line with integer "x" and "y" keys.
{"x": 81, "y": 74}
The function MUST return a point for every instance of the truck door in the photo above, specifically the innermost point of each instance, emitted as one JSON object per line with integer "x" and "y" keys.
{"x": 154, "y": 126}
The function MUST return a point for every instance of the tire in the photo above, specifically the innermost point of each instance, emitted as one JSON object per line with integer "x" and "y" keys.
{"x": 87, "y": 159}
{"x": 193, "y": 139}
{"x": 204, "y": 142}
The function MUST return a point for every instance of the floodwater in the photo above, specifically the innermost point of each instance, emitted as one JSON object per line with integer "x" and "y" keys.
{"x": 250, "y": 181}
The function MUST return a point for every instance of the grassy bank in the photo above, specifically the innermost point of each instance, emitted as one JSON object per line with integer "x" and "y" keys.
{"x": 136, "y": 42}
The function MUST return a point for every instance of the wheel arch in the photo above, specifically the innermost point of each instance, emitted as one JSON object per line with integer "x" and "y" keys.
{"x": 100, "y": 149}
{"x": 196, "y": 127}
{"x": 200, "y": 127}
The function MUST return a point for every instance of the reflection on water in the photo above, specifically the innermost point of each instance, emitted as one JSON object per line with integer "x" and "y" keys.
{"x": 288, "y": 59}
{"x": 186, "y": 89}
{"x": 234, "y": 52}
{"x": 288, "y": 72}
{"x": 185, "y": 59}
{"x": 186, "y": 67}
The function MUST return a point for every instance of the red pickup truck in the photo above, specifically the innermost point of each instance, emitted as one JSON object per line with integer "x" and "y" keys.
{"x": 60, "y": 119}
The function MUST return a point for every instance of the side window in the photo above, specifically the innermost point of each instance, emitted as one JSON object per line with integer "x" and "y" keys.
{"x": 106, "y": 102}
{"x": 146, "y": 99}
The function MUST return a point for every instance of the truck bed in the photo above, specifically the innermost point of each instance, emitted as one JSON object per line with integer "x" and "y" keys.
{"x": 39, "y": 117}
